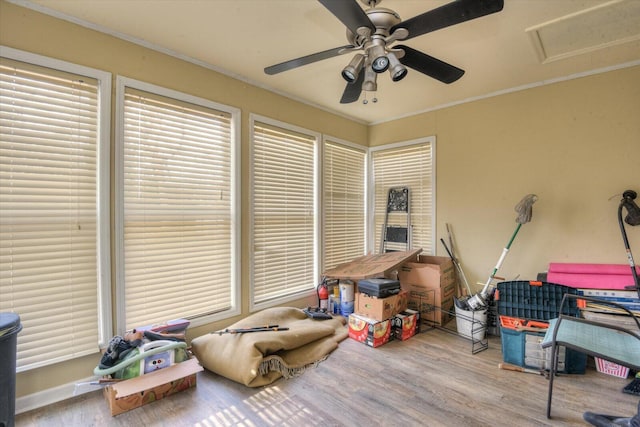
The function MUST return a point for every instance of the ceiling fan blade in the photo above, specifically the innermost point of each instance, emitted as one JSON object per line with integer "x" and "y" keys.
{"x": 429, "y": 65}
{"x": 304, "y": 60}
{"x": 349, "y": 13}
{"x": 449, "y": 14}
{"x": 353, "y": 90}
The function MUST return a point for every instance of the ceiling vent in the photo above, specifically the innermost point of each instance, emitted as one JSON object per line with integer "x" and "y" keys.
{"x": 605, "y": 25}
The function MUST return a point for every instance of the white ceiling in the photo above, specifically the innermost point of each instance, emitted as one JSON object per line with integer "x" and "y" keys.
{"x": 242, "y": 37}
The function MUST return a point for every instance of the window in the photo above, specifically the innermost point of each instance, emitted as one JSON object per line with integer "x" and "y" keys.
{"x": 343, "y": 203}
{"x": 284, "y": 219}
{"x": 54, "y": 206}
{"x": 177, "y": 219}
{"x": 412, "y": 165}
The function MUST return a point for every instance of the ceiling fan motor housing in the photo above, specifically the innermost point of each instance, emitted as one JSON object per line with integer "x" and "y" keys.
{"x": 383, "y": 19}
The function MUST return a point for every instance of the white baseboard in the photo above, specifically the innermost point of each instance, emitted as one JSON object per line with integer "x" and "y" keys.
{"x": 54, "y": 395}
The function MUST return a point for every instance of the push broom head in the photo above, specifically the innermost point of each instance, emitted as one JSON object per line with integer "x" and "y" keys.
{"x": 524, "y": 208}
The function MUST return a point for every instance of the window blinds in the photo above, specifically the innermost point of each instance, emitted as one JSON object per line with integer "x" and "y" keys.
{"x": 48, "y": 211}
{"x": 177, "y": 198}
{"x": 283, "y": 252}
{"x": 406, "y": 166}
{"x": 343, "y": 203}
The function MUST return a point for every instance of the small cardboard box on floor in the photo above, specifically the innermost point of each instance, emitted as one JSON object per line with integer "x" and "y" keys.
{"x": 431, "y": 283}
{"x": 373, "y": 333}
{"x": 129, "y": 394}
{"x": 405, "y": 324}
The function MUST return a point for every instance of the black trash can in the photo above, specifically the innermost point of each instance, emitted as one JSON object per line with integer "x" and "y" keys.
{"x": 9, "y": 327}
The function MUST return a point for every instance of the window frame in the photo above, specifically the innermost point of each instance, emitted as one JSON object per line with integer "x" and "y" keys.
{"x": 121, "y": 84}
{"x": 431, "y": 140}
{"x": 253, "y": 118}
{"x": 102, "y": 196}
{"x": 326, "y": 139}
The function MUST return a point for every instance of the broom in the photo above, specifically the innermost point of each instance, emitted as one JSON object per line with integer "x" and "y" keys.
{"x": 524, "y": 210}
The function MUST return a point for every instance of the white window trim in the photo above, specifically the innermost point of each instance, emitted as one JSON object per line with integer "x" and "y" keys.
{"x": 367, "y": 168}
{"x": 253, "y": 306}
{"x": 122, "y": 83}
{"x": 103, "y": 198}
{"x": 371, "y": 188}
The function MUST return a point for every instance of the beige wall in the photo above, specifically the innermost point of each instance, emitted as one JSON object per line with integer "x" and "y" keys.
{"x": 575, "y": 144}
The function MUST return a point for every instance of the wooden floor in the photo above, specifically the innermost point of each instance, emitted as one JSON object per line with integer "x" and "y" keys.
{"x": 432, "y": 379}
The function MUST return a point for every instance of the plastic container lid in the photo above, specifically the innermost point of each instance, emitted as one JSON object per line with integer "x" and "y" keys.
{"x": 534, "y": 300}
{"x": 9, "y": 324}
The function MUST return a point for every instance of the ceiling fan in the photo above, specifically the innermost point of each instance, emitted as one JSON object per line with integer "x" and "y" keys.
{"x": 375, "y": 31}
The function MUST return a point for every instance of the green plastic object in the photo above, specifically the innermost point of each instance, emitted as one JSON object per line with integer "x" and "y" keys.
{"x": 129, "y": 368}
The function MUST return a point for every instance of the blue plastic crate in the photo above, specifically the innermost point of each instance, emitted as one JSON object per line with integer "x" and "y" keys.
{"x": 535, "y": 300}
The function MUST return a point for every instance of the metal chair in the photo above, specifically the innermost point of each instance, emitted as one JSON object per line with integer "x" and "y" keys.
{"x": 608, "y": 341}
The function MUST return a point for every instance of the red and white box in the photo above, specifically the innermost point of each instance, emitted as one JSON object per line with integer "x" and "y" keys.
{"x": 610, "y": 368}
{"x": 372, "y": 332}
{"x": 406, "y": 324}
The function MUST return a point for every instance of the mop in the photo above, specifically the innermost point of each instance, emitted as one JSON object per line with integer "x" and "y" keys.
{"x": 524, "y": 210}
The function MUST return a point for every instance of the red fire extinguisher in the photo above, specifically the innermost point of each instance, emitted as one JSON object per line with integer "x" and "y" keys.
{"x": 323, "y": 295}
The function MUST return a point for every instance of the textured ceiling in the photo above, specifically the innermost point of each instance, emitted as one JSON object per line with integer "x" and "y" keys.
{"x": 242, "y": 37}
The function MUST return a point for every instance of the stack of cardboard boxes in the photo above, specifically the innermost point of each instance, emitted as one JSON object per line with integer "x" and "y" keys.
{"x": 428, "y": 286}
{"x": 376, "y": 321}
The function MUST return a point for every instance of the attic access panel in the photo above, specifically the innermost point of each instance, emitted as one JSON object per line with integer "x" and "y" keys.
{"x": 599, "y": 27}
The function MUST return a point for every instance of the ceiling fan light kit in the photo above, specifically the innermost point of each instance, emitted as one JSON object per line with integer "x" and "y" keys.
{"x": 351, "y": 71}
{"x": 379, "y": 60}
{"x": 374, "y": 32}
{"x": 396, "y": 69}
{"x": 370, "y": 84}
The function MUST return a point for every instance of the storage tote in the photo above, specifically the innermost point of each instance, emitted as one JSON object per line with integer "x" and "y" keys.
{"x": 540, "y": 301}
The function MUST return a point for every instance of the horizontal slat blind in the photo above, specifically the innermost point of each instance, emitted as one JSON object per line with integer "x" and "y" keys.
{"x": 343, "y": 203}
{"x": 48, "y": 211}
{"x": 177, "y": 209}
{"x": 283, "y": 253}
{"x": 408, "y": 166}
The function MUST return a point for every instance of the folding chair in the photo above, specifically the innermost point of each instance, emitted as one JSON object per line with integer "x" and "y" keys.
{"x": 607, "y": 341}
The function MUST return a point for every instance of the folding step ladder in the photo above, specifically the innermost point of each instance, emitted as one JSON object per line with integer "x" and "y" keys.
{"x": 396, "y": 237}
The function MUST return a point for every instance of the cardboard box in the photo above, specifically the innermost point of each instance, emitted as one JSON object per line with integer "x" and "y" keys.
{"x": 431, "y": 284}
{"x": 435, "y": 305}
{"x": 406, "y": 324}
{"x": 369, "y": 331}
{"x": 370, "y": 266}
{"x": 429, "y": 312}
{"x": 133, "y": 393}
{"x": 431, "y": 272}
{"x": 380, "y": 308}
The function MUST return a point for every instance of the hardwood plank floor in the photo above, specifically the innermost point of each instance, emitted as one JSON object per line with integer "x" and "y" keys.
{"x": 432, "y": 379}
